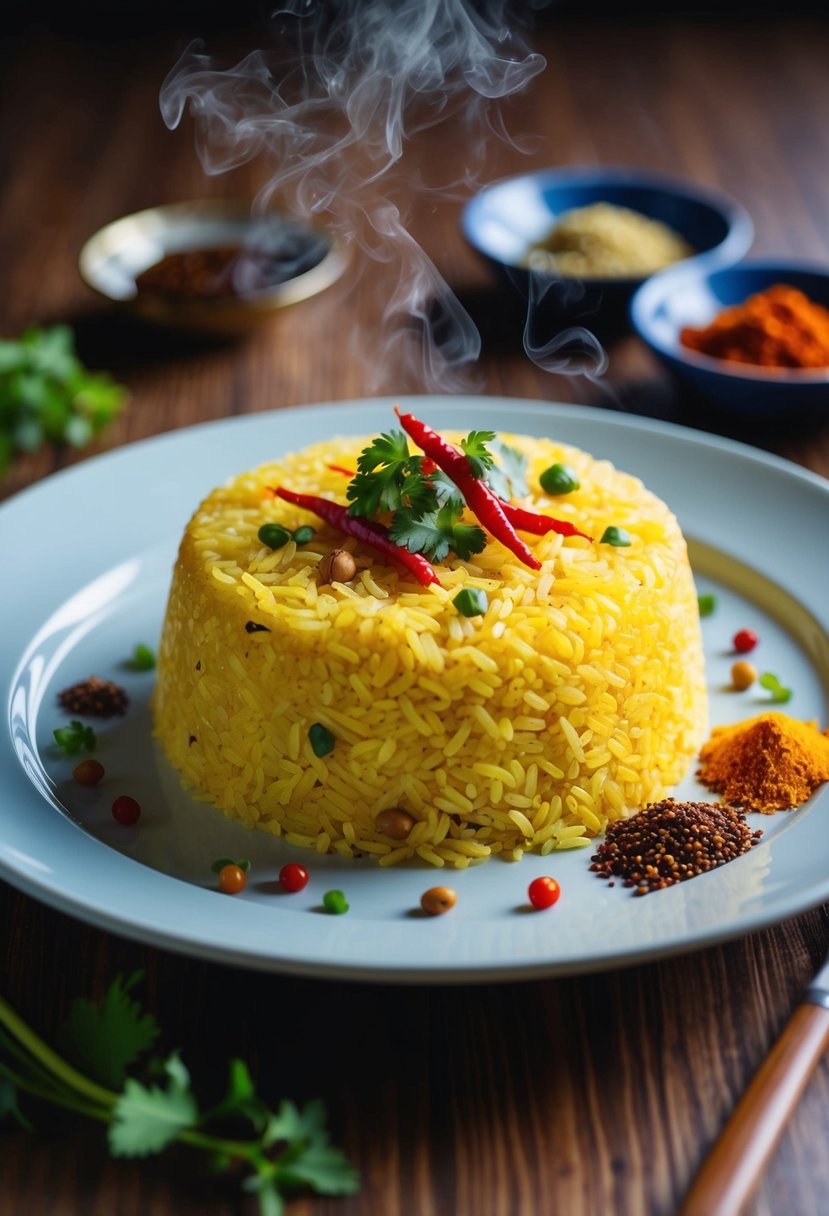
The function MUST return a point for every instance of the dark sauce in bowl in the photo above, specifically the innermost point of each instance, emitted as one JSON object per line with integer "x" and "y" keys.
{"x": 230, "y": 271}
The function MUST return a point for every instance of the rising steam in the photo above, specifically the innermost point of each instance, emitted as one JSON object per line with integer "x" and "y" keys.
{"x": 332, "y": 115}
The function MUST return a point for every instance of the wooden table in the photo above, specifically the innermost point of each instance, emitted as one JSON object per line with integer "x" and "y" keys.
{"x": 592, "y": 1095}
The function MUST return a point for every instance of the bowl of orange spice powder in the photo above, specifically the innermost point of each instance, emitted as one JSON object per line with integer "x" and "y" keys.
{"x": 752, "y": 338}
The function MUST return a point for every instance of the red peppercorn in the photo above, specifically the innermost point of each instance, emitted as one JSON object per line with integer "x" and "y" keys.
{"x": 544, "y": 892}
{"x": 125, "y": 810}
{"x": 745, "y": 640}
{"x": 293, "y": 877}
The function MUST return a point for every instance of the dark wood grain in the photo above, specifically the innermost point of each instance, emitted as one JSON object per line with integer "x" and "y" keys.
{"x": 597, "y": 1095}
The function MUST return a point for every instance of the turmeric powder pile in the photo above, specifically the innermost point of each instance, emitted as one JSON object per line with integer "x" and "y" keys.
{"x": 778, "y": 327}
{"x": 768, "y": 763}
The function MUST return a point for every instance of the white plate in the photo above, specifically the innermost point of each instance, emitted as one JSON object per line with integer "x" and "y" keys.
{"x": 92, "y": 549}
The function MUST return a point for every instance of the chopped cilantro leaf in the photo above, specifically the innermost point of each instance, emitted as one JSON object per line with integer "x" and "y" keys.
{"x": 391, "y": 449}
{"x": 445, "y": 490}
{"x": 475, "y": 449}
{"x": 507, "y": 479}
{"x": 75, "y": 736}
{"x": 436, "y": 532}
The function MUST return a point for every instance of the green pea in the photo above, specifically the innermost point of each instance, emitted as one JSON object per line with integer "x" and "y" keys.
{"x": 335, "y": 902}
{"x": 559, "y": 479}
{"x": 471, "y": 601}
{"x": 304, "y": 534}
{"x": 322, "y": 741}
{"x": 274, "y": 535}
{"x": 616, "y": 536}
{"x": 707, "y": 604}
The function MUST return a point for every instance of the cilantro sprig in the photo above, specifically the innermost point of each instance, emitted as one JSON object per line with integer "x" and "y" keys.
{"x": 435, "y": 532}
{"x": 48, "y": 396}
{"x": 426, "y": 506}
{"x": 288, "y": 1147}
{"x": 75, "y": 736}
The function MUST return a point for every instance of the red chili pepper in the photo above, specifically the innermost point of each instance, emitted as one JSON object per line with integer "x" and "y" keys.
{"x": 336, "y": 468}
{"x": 365, "y": 530}
{"x": 539, "y": 525}
{"x": 485, "y": 506}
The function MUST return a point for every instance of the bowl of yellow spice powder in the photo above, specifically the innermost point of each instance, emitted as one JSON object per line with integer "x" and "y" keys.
{"x": 576, "y": 243}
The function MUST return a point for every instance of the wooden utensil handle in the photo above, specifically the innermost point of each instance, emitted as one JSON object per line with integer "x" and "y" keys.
{"x": 735, "y": 1164}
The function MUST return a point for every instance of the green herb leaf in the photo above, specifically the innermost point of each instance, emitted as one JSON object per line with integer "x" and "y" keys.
{"x": 220, "y": 864}
{"x": 707, "y": 604}
{"x": 143, "y": 658}
{"x": 446, "y": 492}
{"x": 508, "y": 478}
{"x": 240, "y": 1098}
{"x": 292, "y": 1124}
{"x": 382, "y": 468}
{"x": 146, "y": 1119}
{"x": 47, "y": 394}
{"x": 105, "y": 1039}
{"x": 436, "y": 532}
{"x": 266, "y": 1189}
{"x": 322, "y": 1167}
{"x": 475, "y": 449}
{"x": 75, "y": 736}
{"x": 779, "y": 694}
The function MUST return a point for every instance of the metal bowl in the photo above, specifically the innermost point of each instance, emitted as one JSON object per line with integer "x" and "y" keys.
{"x": 112, "y": 259}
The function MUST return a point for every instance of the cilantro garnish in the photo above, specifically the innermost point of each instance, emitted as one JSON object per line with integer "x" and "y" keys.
{"x": 426, "y": 507}
{"x": 436, "y": 532}
{"x": 382, "y": 470}
{"x": 289, "y": 1147}
{"x": 75, "y": 736}
{"x": 475, "y": 449}
{"x": 508, "y": 478}
{"x": 48, "y": 396}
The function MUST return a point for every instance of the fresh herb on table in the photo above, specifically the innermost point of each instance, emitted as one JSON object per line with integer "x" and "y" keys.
{"x": 75, "y": 736}
{"x": 48, "y": 396}
{"x": 289, "y": 1147}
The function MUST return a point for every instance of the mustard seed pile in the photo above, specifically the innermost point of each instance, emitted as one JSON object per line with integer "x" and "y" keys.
{"x": 94, "y": 698}
{"x": 669, "y": 841}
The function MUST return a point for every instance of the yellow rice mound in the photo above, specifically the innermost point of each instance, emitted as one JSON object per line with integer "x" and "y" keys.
{"x": 578, "y": 697}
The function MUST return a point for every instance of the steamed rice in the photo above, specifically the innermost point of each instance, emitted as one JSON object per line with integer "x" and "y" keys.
{"x": 577, "y": 698}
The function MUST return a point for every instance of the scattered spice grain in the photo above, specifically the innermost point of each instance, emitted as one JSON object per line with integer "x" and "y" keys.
{"x": 668, "y": 842}
{"x": 768, "y": 763}
{"x": 94, "y": 698}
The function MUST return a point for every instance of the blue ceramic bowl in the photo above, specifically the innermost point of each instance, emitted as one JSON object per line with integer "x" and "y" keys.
{"x": 691, "y": 295}
{"x": 503, "y": 220}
